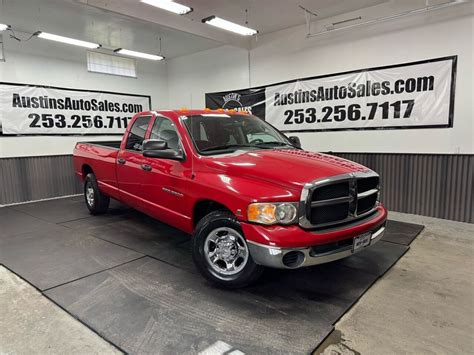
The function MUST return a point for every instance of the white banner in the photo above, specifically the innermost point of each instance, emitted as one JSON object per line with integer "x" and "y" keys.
{"x": 405, "y": 96}
{"x": 44, "y": 110}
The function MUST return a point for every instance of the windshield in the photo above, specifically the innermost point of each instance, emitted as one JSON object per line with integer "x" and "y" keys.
{"x": 221, "y": 133}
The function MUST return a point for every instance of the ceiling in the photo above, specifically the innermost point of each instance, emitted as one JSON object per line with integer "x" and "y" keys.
{"x": 272, "y": 15}
{"x": 137, "y": 26}
{"x": 73, "y": 19}
{"x": 264, "y": 15}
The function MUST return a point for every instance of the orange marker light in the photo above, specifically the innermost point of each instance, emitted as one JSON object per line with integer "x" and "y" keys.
{"x": 261, "y": 213}
{"x": 253, "y": 213}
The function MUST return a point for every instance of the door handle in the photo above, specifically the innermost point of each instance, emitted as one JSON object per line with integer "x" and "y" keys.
{"x": 146, "y": 167}
{"x": 121, "y": 161}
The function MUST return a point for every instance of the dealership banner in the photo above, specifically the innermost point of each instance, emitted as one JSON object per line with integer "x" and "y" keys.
{"x": 248, "y": 100}
{"x": 409, "y": 95}
{"x": 30, "y": 109}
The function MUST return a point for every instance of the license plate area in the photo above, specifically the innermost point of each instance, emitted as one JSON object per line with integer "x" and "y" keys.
{"x": 361, "y": 241}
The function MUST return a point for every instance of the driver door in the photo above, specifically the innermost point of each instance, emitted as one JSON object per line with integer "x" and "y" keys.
{"x": 165, "y": 180}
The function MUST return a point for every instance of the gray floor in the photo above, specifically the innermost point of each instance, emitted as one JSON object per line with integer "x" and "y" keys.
{"x": 423, "y": 305}
{"x": 31, "y": 324}
{"x": 143, "y": 295}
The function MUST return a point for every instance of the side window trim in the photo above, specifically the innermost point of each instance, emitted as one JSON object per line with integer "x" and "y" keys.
{"x": 144, "y": 137}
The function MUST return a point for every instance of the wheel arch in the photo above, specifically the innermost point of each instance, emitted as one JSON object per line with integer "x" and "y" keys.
{"x": 86, "y": 169}
{"x": 203, "y": 207}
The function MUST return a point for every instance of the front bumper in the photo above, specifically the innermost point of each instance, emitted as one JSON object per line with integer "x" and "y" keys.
{"x": 293, "y": 258}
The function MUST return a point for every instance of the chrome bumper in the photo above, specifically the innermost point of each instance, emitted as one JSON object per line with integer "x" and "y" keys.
{"x": 274, "y": 256}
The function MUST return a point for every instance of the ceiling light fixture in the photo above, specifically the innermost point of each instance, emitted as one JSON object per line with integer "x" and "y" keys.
{"x": 4, "y": 27}
{"x": 229, "y": 26}
{"x": 67, "y": 40}
{"x": 138, "y": 54}
{"x": 169, "y": 5}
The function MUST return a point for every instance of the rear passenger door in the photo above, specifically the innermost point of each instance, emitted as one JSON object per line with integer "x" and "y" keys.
{"x": 130, "y": 161}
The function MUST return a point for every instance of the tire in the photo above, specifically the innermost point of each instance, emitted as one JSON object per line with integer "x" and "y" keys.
{"x": 96, "y": 201}
{"x": 219, "y": 237}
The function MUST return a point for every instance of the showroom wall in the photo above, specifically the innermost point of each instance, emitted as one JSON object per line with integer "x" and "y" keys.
{"x": 295, "y": 59}
{"x": 38, "y": 167}
{"x": 47, "y": 63}
{"x": 427, "y": 163}
{"x": 420, "y": 168}
{"x": 287, "y": 55}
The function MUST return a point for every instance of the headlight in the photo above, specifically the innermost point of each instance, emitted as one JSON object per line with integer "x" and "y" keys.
{"x": 272, "y": 213}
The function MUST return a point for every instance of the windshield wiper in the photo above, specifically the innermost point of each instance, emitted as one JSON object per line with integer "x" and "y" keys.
{"x": 228, "y": 146}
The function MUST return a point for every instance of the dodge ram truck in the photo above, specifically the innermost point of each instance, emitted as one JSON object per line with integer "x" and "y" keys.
{"x": 249, "y": 195}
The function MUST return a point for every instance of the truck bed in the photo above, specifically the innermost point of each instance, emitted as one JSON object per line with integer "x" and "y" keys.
{"x": 108, "y": 144}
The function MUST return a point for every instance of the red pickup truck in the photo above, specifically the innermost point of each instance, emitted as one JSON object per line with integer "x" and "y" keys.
{"x": 249, "y": 195}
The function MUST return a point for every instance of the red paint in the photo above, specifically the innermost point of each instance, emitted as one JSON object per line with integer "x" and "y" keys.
{"x": 231, "y": 180}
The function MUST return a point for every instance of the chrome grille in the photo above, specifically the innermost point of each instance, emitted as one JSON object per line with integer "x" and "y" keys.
{"x": 339, "y": 199}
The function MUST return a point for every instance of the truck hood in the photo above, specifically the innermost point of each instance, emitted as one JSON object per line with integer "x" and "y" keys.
{"x": 286, "y": 167}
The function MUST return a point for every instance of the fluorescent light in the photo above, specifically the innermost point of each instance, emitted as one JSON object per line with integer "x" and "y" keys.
{"x": 229, "y": 26}
{"x": 138, "y": 54}
{"x": 74, "y": 42}
{"x": 4, "y": 27}
{"x": 169, "y": 5}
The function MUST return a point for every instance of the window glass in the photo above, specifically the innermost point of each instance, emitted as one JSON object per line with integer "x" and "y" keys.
{"x": 165, "y": 130}
{"x": 111, "y": 64}
{"x": 137, "y": 133}
{"x": 221, "y": 133}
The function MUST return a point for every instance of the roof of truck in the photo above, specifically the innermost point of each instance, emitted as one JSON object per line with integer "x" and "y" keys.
{"x": 191, "y": 112}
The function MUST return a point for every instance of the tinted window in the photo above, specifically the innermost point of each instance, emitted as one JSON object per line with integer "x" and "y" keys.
{"x": 165, "y": 130}
{"x": 137, "y": 133}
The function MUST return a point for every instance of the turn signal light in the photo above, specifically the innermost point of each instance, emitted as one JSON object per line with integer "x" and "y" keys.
{"x": 272, "y": 213}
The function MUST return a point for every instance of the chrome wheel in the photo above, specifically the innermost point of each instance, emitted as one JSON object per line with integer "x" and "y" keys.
{"x": 226, "y": 251}
{"x": 90, "y": 195}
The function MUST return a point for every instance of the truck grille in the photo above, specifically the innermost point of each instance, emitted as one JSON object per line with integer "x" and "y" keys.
{"x": 340, "y": 199}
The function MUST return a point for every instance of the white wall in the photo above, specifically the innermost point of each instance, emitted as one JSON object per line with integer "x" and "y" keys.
{"x": 58, "y": 65}
{"x": 43, "y": 62}
{"x": 283, "y": 55}
{"x": 218, "y": 69}
{"x": 287, "y": 54}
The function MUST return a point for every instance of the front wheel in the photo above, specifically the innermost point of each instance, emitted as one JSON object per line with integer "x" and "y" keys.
{"x": 220, "y": 251}
{"x": 96, "y": 201}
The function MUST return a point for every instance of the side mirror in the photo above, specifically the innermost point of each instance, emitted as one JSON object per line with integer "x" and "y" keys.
{"x": 154, "y": 144}
{"x": 295, "y": 141}
{"x": 159, "y": 149}
{"x": 164, "y": 154}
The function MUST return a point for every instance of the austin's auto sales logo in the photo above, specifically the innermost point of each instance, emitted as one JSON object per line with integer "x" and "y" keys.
{"x": 233, "y": 101}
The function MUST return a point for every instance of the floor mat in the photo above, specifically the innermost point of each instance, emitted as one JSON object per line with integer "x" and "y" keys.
{"x": 377, "y": 259}
{"x": 63, "y": 209}
{"x": 147, "y": 306}
{"x": 401, "y": 232}
{"x": 158, "y": 303}
{"x": 14, "y": 222}
{"x": 53, "y": 257}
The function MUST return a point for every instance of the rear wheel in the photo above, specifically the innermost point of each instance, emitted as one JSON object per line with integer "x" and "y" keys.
{"x": 96, "y": 201}
{"x": 220, "y": 251}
